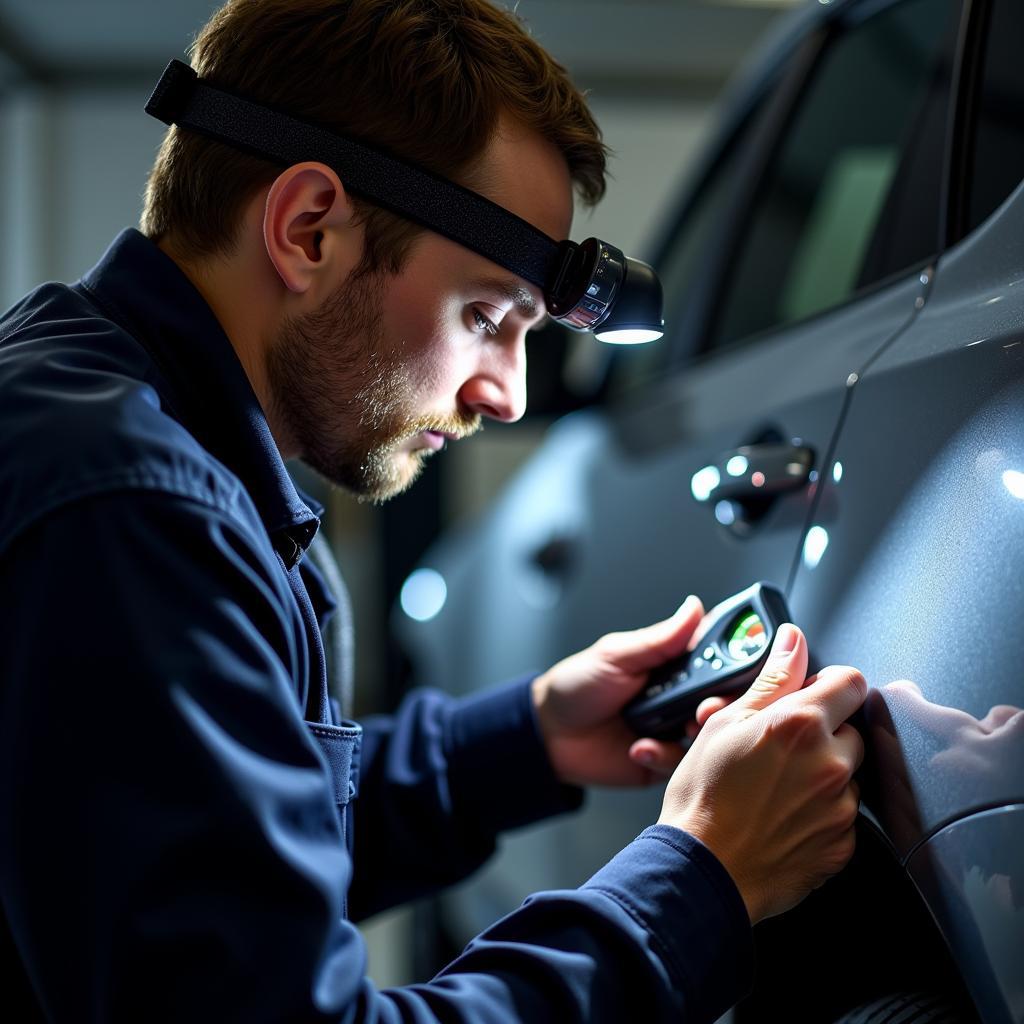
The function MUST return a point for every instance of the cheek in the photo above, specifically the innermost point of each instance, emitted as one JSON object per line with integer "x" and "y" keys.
{"x": 425, "y": 341}
{"x": 435, "y": 378}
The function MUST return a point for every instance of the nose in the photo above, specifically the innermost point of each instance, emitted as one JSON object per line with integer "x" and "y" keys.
{"x": 497, "y": 387}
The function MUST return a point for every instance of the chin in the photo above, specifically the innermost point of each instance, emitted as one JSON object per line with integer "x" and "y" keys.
{"x": 387, "y": 479}
{"x": 380, "y": 475}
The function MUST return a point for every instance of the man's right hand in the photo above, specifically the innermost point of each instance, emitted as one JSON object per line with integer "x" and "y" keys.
{"x": 767, "y": 785}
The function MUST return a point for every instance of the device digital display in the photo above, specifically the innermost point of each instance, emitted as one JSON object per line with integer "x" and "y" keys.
{"x": 734, "y": 646}
{"x": 748, "y": 637}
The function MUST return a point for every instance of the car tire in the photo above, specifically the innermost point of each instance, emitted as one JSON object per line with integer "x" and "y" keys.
{"x": 906, "y": 1008}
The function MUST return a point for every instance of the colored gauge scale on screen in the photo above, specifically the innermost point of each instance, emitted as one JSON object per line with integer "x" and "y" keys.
{"x": 737, "y": 636}
{"x": 748, "y": 637}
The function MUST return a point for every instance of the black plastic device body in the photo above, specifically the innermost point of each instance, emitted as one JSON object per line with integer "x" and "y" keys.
{"x": 728, "y": 658}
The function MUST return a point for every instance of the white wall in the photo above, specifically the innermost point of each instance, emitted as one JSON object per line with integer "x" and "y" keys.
{"x": 653, "y": 142}
{"x": 73, "y": 175}
{"x": 106, "y": 144}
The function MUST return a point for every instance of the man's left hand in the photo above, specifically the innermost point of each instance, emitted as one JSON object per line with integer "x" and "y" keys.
{"x": 579, "y": 703}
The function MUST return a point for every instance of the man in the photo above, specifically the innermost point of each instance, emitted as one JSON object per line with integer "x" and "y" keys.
{"x": 189, "y": 825}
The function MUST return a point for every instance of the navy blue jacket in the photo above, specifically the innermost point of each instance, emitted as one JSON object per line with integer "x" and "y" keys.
{"x": 188, "y": 828}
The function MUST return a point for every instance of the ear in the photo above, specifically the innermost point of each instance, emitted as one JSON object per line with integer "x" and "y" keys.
{"x": 308, "y": 229}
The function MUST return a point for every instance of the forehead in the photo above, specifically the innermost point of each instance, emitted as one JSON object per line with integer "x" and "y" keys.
{"x": 523, "y": 172}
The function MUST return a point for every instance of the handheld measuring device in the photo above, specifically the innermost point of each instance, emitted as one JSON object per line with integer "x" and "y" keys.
{"x": 733, "y": 650}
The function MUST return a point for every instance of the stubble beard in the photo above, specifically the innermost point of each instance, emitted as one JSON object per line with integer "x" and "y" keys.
{"x": 346, "y": 401}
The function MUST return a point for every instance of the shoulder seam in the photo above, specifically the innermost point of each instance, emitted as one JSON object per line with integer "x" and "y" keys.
{"x": 135, "y": 480}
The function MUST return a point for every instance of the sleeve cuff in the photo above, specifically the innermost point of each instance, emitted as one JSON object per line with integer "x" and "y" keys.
{"x": 692, "y": 911}
{"x": 500, "y": 771}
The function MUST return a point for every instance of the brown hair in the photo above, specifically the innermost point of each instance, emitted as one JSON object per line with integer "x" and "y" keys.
{"x": 423, "y": 79}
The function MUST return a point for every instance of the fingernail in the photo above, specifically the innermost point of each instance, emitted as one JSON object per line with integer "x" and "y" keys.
{"x": 785, "y": 640}
{"x": 687, "y": 604}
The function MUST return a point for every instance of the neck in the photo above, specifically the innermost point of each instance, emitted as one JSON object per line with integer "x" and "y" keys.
{"x": 238, "y": 299}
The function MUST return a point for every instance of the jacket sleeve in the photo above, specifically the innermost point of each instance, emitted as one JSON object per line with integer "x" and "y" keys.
{"x": 439, "y": 780}
{"x": 171, "y": 849}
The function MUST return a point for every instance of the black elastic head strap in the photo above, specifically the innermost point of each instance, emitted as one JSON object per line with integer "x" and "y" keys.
{"x": 182, "y": 98}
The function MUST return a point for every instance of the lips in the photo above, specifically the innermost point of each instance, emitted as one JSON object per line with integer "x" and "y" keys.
{"x": 434, "y": 440}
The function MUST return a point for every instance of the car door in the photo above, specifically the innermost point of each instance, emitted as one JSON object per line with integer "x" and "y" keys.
{"x": 919, "y": 558}
{"x": 785, "y": 275}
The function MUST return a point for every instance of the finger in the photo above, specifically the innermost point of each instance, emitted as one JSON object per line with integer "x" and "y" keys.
{"x": 850, "y": 746}
{"x": 905, "y": 685}
{"x": 707, "y": 707}
{"x": 783, "y": 672}
{"x": 838, "y": 691}
{"x": 656, "y": 755}
{"x": 640, "y": 650}
{"x": 998, "y": 716}
{"x": 699, "y": 633}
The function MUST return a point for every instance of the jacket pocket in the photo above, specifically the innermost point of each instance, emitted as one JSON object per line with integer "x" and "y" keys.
{"x": 340, "y": 746}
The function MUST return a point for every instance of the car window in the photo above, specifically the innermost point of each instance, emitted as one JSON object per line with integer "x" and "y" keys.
{"x": 853, "y": 192}
{"x": 680, "y": 271}
{"x": 997, "y": 162}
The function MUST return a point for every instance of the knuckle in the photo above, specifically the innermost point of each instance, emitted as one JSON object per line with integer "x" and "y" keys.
{"x": 858, "y": 749}
{"x": 844, "y": 813}
{"x": 839, "y": 853}
{"x": 608, "y": 645}
{"x": 854, "y": 678}
{"x": 858, "y": 682}
{"x": 836, "y": 772}
{"x": 846, "y": 846}
{"x": 847, "y": 675}
{"x": 769, "y": 680}
{"x": 802, "y": 723}
{"x": 852, "y": 809}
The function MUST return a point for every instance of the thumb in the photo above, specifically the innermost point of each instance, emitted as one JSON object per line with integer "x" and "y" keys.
{"x": 640, "y": 650}
{"x": 784, "y": 671}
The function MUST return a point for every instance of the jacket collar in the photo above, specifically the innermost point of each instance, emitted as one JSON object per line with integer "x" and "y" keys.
{"x": 204, "y": 384}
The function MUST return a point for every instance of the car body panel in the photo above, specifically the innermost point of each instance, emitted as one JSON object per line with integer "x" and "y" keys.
{"x": 923, "y": 578}
{"x": 971, "y": 875}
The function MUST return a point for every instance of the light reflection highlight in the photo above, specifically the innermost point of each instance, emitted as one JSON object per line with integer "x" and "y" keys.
{"x": 631, "y": 336}
{"x": 423, "y": 594}
{"x": 1013, "y": 481}
{"x": 837, "y": 472}
{"x": 704, "y": 481}
{"x": 815, "y": 544}
{"x": 737, "y": 465}
{"x": 725, "y": 513}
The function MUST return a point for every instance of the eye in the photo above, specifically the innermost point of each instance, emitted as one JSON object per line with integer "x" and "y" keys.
{"x": 483, "y": 324}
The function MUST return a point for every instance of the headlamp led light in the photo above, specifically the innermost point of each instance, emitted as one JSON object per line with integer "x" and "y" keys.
{"x": 589, "y": 286}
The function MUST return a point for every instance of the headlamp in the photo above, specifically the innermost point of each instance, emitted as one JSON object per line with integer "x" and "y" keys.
{"x": 588, "y": 286}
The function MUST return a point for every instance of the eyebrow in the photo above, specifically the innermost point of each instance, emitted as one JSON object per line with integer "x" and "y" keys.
{"x": 523, "y": 301}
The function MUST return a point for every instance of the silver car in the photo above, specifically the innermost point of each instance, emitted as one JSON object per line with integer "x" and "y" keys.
{"x": 838, "y": 409}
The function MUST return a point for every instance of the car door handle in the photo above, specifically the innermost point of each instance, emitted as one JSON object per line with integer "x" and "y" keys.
{"x": 556, "y": 557}
{"x": 753, "y": 473}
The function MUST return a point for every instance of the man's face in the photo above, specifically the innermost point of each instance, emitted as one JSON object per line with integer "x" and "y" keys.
{"x": 390, "y": 367}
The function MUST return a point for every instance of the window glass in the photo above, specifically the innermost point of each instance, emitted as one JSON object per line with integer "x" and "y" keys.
{"x": 680, "y": 270}
{"x": 853, "y": 194}
{"x": 997, "y": 166}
